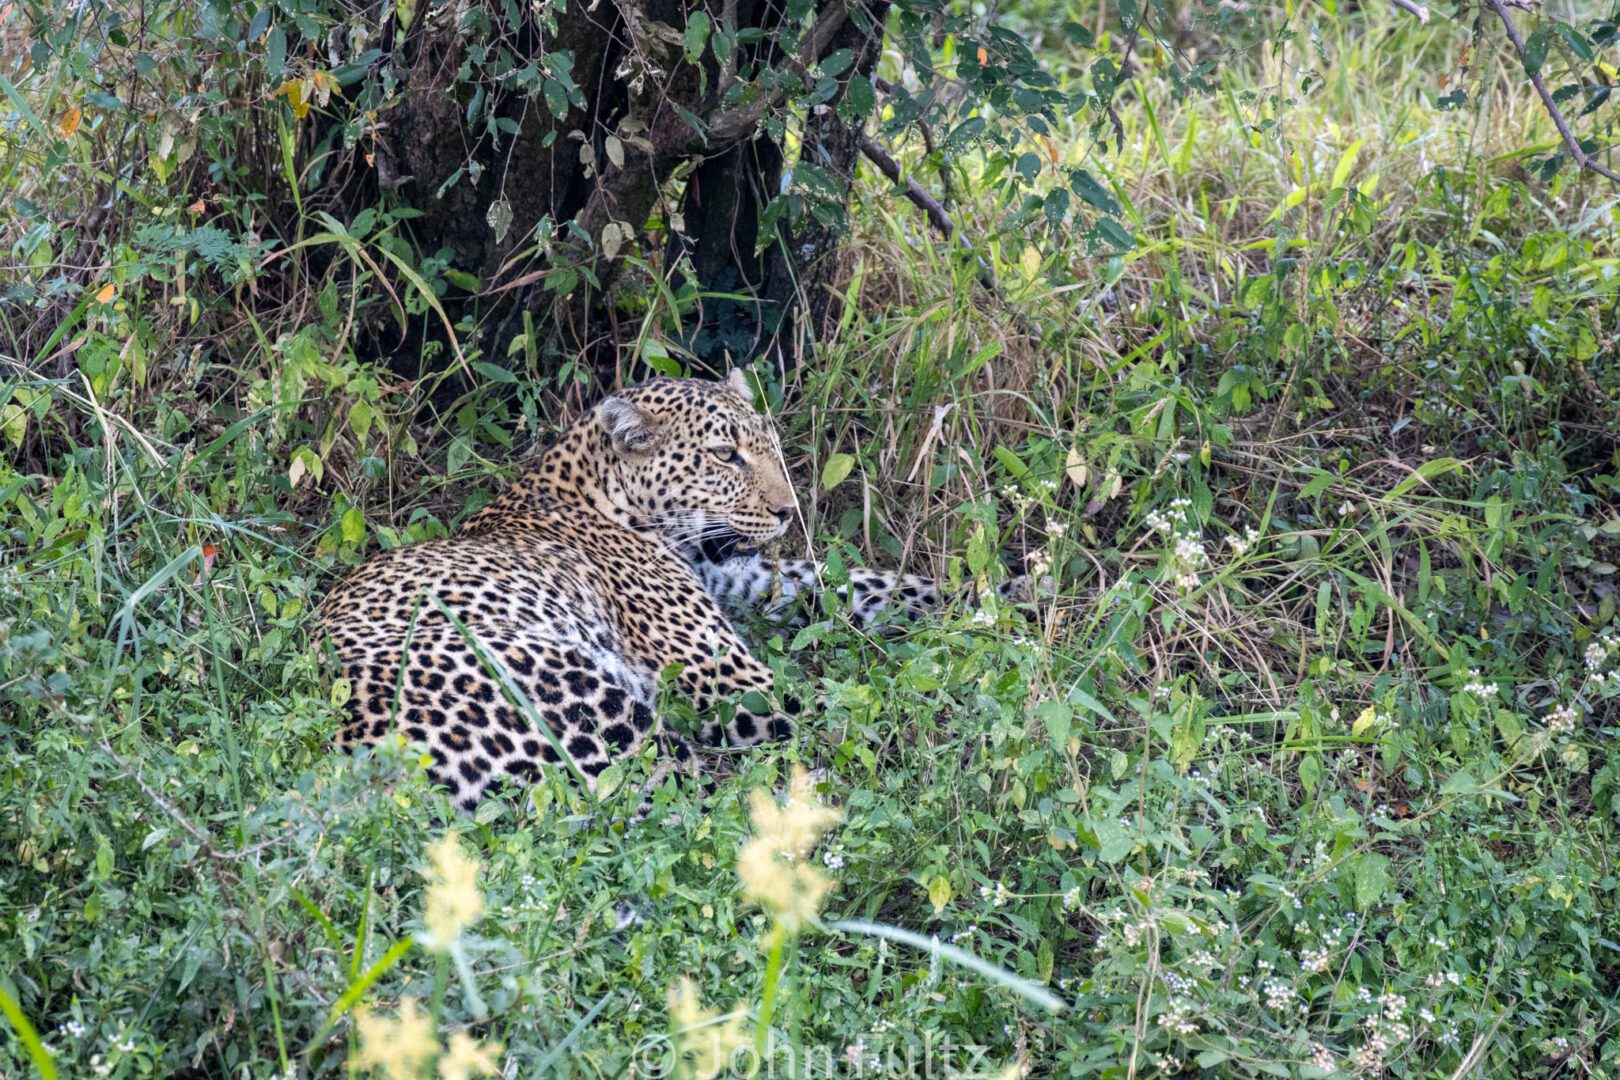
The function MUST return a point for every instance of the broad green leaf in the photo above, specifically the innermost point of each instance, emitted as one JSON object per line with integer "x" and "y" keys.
{"x": 696, "y": 36}
{"x": 1372, "y": 878}
{"x": 1083, "y": 184}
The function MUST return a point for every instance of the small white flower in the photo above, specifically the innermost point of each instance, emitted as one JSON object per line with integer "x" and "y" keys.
{"x": 1563, "y": 720}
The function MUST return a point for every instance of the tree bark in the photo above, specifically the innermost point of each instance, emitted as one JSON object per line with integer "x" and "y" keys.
{"x": 645, "y": 111}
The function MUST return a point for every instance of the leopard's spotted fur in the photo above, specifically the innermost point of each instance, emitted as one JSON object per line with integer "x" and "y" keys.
{"x": 603, "y": 565}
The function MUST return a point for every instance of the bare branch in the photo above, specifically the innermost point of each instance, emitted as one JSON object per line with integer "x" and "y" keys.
{"x": 1571, "y": 143}
{"x": 1412, "y": 8}
{"x": 938, "y": 216}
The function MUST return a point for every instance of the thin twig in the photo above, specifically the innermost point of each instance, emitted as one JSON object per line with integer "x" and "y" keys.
{"x": 1571, "y": 143}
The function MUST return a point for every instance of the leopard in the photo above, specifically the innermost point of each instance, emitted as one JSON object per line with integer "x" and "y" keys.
{"x": 537, "y": 635}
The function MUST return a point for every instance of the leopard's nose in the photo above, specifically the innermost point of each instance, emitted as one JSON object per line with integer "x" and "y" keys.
{"x": 784, "y": 514}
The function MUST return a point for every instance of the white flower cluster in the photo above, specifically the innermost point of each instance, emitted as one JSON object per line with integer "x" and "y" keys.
{"x": 1015, "y": 495}
{"x": 1173, "y": 520}
{"x": 1132, "y": 929}
{"x": 1562, "y": 720}
{"x": 1316, "y": 960}
{"x": 1436, "y": 979}
{"x": 997, "y": 896}
{"x": 1386, "y": 1030}
{"x": 1178, "y": 984}
{"x": 832, "y": 860}
{"x": 1478, "y": 687}
{"x": 1180, "y": 1018}
{"x": 1071, "y": 899}
{"x": 1279, "y": 993}
{"x": 1240, "y": 545}
{"x": 1191, "y": 558}
{"x": 1203, "y": 960}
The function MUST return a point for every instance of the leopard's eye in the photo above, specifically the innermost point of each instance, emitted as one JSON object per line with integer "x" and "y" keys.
{"x": 729, "y": 454}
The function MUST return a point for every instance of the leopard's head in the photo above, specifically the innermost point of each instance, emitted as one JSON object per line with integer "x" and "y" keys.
{"x": 695, "y": 462}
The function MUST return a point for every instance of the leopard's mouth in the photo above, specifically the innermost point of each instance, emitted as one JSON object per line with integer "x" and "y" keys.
{"x": 718, "y": 549}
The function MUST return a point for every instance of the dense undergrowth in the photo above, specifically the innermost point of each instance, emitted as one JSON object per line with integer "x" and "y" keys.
{"x": 1306, "y": 769}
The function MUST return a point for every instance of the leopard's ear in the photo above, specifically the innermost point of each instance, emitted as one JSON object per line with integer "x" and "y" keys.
{"x": 738, "y": 382}
{"x": 632, "y": 430}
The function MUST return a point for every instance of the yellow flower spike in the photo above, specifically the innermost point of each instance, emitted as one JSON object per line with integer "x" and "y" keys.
{"x": 400, "y": 1047}
{"x": 467, "y": 1058}
{"x": 705, "y": 1039}
{"x": 454, "y": 901}
{"x": 772, "y": 866}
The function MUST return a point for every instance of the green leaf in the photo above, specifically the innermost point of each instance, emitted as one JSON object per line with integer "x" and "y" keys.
{"x": 1310, "y": 772}
{"x": 556, "y": 98}
{"x": 1317, "y": 485}
{"x": 860, "y": 97}
{"x": 494, "y": 372}
{"x": 1372, "y": 878}
{"x": 696, "y": 36}
{"x": 836, "y": 63}
{"x": 1083, "y": 184}
{"x": 1058, "y": 718}
{"x": 1424, "y": 473}
{"x": 1535, "y": 50}
{"x": 1117, "y": 849}
{"x": 1011, "y": 462}
{"x": 1056, "y": 206}
{"x": 354, "y": 525}
{"x": 1111, "y": 231}
{"x": 1576, "y": 41}
{"x": 837, "y": 468}
{"x": 360, "y": 417}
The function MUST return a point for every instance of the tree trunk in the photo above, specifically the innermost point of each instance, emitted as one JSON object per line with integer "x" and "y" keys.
{"x": 487, "y": 161}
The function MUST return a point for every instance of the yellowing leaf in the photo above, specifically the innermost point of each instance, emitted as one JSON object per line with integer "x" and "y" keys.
{"x": 939, "y": 893}
{"x": 70, "y": 121}
{"x": 984, "y": 57}
{"x": 1347, "y": 161}
{"x": 294, "y": 89}
{"x": 108, "y": 291}
{"x": 1030, "y": 262}
{"x": 1074, "y": 467}
{"x": 13, "y": 423}
{"x": 837, "y": 468}
{"x": 1368, "y": 717}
